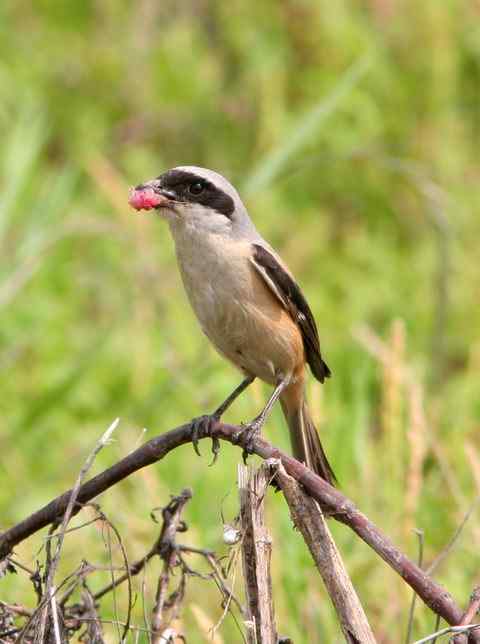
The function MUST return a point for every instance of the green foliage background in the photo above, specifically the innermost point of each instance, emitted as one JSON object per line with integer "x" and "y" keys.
{"x": 352, "y": 130}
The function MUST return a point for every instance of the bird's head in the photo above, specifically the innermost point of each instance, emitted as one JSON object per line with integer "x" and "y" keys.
{"x": 193, "y": 197}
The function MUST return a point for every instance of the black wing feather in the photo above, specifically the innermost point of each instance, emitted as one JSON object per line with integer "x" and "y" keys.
{"x": 292, "y": 298}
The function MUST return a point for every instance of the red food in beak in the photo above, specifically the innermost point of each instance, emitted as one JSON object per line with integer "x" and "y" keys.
{"x": 145, "y": 199}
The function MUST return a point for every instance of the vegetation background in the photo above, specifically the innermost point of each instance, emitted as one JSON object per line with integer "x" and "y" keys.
{"x": 352, "y": 131}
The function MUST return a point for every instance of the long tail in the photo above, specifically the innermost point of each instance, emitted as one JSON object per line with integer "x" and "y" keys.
{"x": 306, "y": 445}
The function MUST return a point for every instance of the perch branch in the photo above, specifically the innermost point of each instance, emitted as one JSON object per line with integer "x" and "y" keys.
{"x": 309, "y": 519}
{"x": 333, "y": 503}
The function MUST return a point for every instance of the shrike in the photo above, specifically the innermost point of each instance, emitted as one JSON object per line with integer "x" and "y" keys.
{"x": 245, "y": 298}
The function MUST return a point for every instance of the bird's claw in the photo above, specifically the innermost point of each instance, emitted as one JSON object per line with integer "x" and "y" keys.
{"x": 202, "y": 428}
{"x": 215, "y": 450}
{"x": 249, "y": 433}
{"x": 197, "y": 432}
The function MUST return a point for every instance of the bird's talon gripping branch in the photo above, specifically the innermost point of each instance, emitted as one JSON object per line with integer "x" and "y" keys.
{"x": 198, "y": 431}
{"x": 249, "y": 433}
{"x": 215, "y": 449}
{"x": 202, "y": 428}
{"x": 238, "y": 434}
{"x": 196, "y": 435}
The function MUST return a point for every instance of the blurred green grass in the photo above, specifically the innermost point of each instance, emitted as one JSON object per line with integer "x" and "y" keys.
{"x": 351, "y": 179}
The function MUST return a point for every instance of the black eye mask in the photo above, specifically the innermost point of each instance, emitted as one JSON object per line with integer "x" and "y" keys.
{"x": 192, "y": 188}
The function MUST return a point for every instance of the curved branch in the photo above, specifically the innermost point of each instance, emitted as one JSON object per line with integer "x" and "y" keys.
{"x": 333, "y": 502}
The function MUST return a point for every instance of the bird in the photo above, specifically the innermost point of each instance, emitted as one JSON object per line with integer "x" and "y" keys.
{"x": 245, "y": 298}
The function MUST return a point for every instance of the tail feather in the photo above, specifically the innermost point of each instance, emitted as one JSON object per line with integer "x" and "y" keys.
{"x": 306, "y": 445}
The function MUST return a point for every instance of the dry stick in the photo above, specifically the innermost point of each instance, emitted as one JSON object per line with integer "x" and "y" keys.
{"x": 108, "y": 544}
{"x": 468, "y": 628}
{"x": 162, "y": 631}
{"x": 69, "y": 512}
{"x": 438, "y": 619}
{"x": 134, "y": 569}
{"x": 94, "y": 628}
{"x": 456, "y": 536}
{"x": 112, "y": 622}
{"x": 469, "y": 615}
{"x": 159, "y": 547}
{"x": 256, "y": 555}
{"x": 56, "y": 627}
{"x": 18, "y": 564}
{"x": 111, "y": 526}
{"x": 472, "y": 636}
{"x": 168, "y": 551}
{"x": 144, "y": 607}
{"x": 17, "y": 609}
{"x": 309, "y": 519}
{"x": 332, "y": 501}
{"x": 473, "y": 607}
{"x": 421, "y": 539}
{"x": 444, "y": 553}
{"x": 220, "y": 578}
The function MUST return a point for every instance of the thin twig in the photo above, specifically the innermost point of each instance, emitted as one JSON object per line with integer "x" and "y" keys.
{"x": 144, "y": 608}
{"x": 17, "y": 609}
{"x": 113, "y": 622}
{"x": 53, "y": 564}
{"x": 94, "y": 629}
{"x": 76, "y": 528}
{"x": 468, "y": 628}
{"x": 17, "y": 563}
{"x": 438, "y": 619}
{"x": 229, "y": 597}
{"x": 56, "y": 628}
{"x": 420, "y": 536}
{"x": 108, "y": 543}
{"x": 43, "y": 599}
{"x": 133, "y": 570}
{"x": 451, "y": 544}
{"x": 221, "y": 581}
{"x": 127, "y": 568}
{"x": 73, "y": 498}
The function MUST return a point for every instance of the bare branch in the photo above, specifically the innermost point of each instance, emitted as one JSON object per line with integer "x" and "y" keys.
{"x": 467, "y": 628}
{"x": 332, "y": 501}
{"x": 309, "y": 519}
{"x": 167, "y": 607}
{"x": 469, "y": 616}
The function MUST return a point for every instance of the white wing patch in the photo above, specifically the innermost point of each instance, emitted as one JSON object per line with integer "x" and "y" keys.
{"x": 270, "y": 283}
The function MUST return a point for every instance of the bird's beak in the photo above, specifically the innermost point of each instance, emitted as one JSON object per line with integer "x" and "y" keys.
{"x": 149, "y": 195}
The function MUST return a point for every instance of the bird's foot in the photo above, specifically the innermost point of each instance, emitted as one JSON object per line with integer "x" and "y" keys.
{"x": 202, "y": 427}
{"x": 249, "y": 433}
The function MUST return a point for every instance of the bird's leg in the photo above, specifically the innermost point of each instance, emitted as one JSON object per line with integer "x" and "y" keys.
{"x": 202, "y": 426}
{"x": 218, "y": 413}
{"x": 252, "y": 429}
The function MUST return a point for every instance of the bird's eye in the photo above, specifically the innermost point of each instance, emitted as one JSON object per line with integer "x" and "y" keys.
{"x": 196, "y": 188}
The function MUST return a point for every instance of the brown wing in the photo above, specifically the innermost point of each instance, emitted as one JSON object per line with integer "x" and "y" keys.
{"x": 288, "y": 292}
